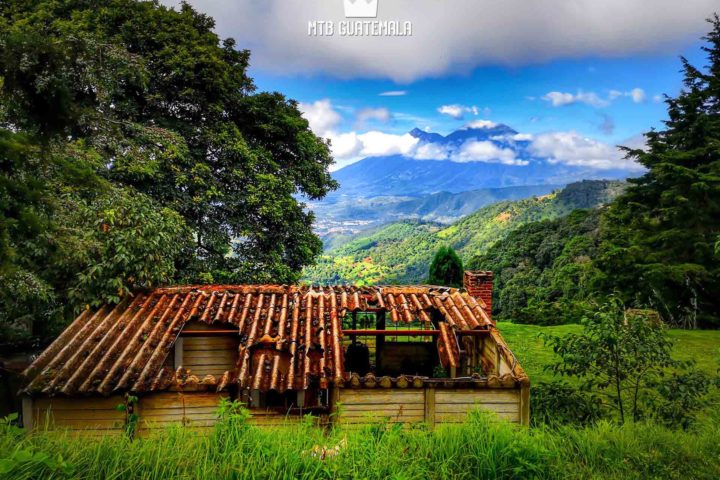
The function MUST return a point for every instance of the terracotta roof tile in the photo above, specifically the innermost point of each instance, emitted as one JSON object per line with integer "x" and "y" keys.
{"x": 290, "y": 336}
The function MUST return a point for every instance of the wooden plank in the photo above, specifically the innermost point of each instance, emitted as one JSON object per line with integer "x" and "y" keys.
{"x": 381, "y": 397}
{"x": 82, "y": 424}
{"x": 165, "y": 400}
{"x": 477, "y": 396}
{"x": 81, "y": 414}
{"x": 398, "y": 412}
{"x": 171, "y": 410}
{"x": 209, "y": 362}
{"x": 429, "y": 406}
{"x": 27, "y": 412}
{"x": 464, "y": 408}
{"x": 525, "y": 405}
{"x": 210, "y": 343}
{"x": 198, "y": 354}
{"x": 354, "y": 407}
{"x": 459, "y": 417}
{"x": 175, "y": 417}
{"x": 93, "y": 403}
{"x": 179, "y": 352}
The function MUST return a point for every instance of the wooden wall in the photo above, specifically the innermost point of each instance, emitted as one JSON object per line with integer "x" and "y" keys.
{"x": 195, "y": 410}
{"x": 209, "y": 355}
{"x": 94, "y": 415}
{"x": 452, "y": 406}
{"x": 429, "y": 405}
{"x": 364, "y": 405}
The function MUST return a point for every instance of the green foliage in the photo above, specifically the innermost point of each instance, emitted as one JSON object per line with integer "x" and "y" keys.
{"x": 623, "y": 357}
{"x": 659, "y": 237}
{"x": 679, "y": 398}
{"x": 402, "y": 252}
{"x": 544, "y": 273}
{"x": 559, "y": 403}
{"x": 446, "y": 268}
{"x": 135, "y": 151}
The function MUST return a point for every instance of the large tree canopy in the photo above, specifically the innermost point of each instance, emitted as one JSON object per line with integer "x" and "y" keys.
{"x": 660, "y": 237}
{"x": 134, "y": 150}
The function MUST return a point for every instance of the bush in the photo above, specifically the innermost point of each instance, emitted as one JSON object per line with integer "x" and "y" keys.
{"x": 558, "y": 403}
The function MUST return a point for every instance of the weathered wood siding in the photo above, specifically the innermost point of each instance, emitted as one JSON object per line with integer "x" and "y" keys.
{"x": 209, "y": 355}
{"x": 93, "y": 415}
{"x": 452, "y": 406}
{"x": 195, "y": 410}
{"x": 430, "y": 405}
{"x": 367, "y": 406}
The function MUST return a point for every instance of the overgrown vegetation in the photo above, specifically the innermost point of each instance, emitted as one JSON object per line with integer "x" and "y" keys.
{"x": 622, "y": 360}
{"x": 135, "y": 151}
{"x": 480, "y": 448}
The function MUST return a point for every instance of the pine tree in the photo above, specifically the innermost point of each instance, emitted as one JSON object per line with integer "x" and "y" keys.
{"x": 659, "y": 246}
{"x": 446, "y": 268}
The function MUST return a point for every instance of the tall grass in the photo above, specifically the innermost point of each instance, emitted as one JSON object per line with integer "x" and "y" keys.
{"x": 483, "y": 447}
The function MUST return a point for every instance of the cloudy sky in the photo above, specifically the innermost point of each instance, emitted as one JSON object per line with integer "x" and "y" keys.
{"x": 577, "y": 77}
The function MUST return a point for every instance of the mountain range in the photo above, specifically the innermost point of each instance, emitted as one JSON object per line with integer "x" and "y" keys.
{"x": 449, "y": 164}
{"x": 442, "y": 180}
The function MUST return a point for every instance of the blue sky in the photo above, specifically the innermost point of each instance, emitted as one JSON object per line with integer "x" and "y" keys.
{"x": 512, "y": 95}
{"x": 580, "y": 75}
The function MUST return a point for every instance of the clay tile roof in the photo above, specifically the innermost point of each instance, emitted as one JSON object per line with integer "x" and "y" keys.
{"x": 289, "y": 335}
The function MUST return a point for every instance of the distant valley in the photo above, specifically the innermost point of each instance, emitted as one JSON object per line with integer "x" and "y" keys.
{"x": 401, "y": 252}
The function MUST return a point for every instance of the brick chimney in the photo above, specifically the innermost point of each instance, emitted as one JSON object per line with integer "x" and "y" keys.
{"x": 480, "y": 284}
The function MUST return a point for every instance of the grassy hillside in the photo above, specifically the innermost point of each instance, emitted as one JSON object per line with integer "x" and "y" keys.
{"x": 703, "y": 346}
{"x": 401, "y": 252}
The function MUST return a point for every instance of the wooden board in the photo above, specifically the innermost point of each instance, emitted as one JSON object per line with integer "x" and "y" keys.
{"x": 98, "y": 415}
{"x": 210, "y": 355}
{"x": 433, "y": 406}
{"x": 188, "y": 409}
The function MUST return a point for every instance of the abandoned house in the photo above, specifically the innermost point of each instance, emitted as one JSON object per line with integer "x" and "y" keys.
{"x": 344, "y": 354}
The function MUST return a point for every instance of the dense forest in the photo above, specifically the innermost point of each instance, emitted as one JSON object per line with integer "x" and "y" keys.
{"x": 402, "y": 252}
{"x": 136, "y": 151}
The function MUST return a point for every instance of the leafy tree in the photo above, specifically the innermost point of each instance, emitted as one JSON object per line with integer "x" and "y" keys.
{"x": 135, "y": 151}
{"x": 446, "y": 268}
{"x": 623, "y": 356}
{"x": 658, "y": 247}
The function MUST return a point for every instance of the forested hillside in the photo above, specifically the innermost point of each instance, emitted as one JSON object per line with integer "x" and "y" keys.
{"x": 544, "y": 271}
{"x": 401, "y": 252}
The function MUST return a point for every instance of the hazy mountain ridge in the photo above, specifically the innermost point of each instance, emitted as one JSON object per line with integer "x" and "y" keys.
{"x": 403, "y": 175}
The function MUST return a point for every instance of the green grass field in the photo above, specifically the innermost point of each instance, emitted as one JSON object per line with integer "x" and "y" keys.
{"x": 526, "y": 342}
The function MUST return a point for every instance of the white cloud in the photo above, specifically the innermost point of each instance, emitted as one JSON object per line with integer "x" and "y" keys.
{"x": 481, "y": 124}
{"x": 657, "y": 98}
{"x": 488, "y": 152}
{"x": 522, "y": 137}
{"x": 571, "y": 148}
{"x": 457, "y": 38}
{"x": 431, "y": 151}
{"x": 559, "y": 99}
{"x": 393, "y": 93}
{"x": 378, "y": 114}
{"x": 377, "y": 143}
{"x": 637, "y": 95}
{"x": 321, "y": 115}
{"x": 457, "y": 111}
